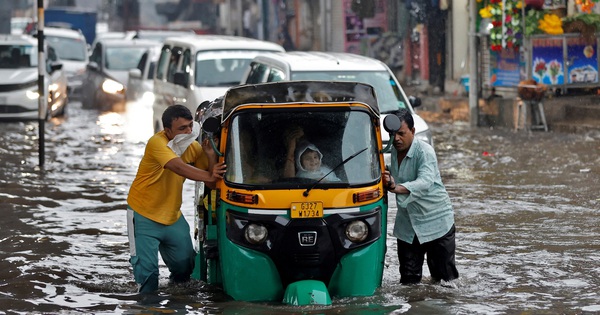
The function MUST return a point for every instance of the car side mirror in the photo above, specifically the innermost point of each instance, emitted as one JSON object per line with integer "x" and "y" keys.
{"x": 414, "y": 101}
{"x": 92, "y": 66}
{"x": 135, "y": 73}
{"x": 55, "y": 66}
{"x": 181, "y": 78}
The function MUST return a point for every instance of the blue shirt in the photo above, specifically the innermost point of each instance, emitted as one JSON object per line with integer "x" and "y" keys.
{"x": 427, "y": 211}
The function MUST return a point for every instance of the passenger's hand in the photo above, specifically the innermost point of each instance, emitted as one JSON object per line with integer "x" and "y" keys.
{"x": 293, "y": 136}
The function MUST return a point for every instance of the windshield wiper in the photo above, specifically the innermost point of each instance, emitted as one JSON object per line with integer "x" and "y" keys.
{"x": 305, "y": 193}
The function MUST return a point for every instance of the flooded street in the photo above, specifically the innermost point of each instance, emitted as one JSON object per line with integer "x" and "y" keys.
{"x": 527, "y": 217}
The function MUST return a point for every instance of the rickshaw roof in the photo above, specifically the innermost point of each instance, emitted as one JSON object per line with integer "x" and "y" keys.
{"x": 286, "y": 92}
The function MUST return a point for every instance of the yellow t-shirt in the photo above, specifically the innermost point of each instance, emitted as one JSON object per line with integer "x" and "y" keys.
{"x": 156, "y": 191}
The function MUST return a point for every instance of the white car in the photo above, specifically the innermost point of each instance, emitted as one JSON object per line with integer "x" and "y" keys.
{"x": 141, "y": 79}
{"x": 332, "y": 66}
{"x": 19, "y": 93}
{"x": 72, "y": 49}
{"x": 200, "y": 68}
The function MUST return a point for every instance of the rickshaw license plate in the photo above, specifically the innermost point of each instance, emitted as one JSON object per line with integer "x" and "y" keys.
{"x": 300, "y": 210}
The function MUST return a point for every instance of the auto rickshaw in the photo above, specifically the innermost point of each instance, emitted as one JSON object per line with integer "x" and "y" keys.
{"x": 264, "y": 236}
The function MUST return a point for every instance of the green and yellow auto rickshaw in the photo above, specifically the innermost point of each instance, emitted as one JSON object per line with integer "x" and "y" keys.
{"x": 265, "y": 234}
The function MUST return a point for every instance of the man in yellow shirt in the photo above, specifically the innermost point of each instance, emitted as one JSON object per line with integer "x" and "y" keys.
{"x": 154, "y": 219}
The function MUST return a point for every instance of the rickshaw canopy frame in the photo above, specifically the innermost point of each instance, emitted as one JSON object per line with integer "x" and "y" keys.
{"x": 299, "y": 92}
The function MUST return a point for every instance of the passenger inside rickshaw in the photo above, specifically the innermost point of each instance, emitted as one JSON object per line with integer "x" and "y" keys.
{"x": 257, "y": 151}
{"x": 303, "y": 158}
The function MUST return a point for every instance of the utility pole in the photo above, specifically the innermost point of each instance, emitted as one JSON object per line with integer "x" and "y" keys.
{"x": 6, "y": 7}
{"x": 473, "y": 79}
{"x": 42, "y": 98}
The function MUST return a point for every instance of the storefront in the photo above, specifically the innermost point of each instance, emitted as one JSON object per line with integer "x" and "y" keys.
{"x": 541, "y": 41}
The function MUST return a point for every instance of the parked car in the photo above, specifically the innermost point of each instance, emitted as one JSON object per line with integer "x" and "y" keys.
{"x": 19, "y": 93}
{"x": 198, "y": 68}
{"x": 140, "y": 82}
{"x": 105, "y": 78}
{"x": 331, "y": 66}
{"x": 72, "y": 49}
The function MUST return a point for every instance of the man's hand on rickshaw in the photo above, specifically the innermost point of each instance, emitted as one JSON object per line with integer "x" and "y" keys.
{"x": 218, "y": 171}
{"x": 388, "y": 180}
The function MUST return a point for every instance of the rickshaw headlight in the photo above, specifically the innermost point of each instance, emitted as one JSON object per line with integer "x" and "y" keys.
{"x": 256, "y": 233}
{"x": 357, "y": 231}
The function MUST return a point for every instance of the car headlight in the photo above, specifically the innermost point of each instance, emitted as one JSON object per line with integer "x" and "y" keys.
{"x": 256, "y": 233}
{"x": 425, "y": 136}
{"x": 357, "y": 231}
{"x": 112, "y": 87}
{"x": 32, "y": 94}
{"x": 148, "y": 97}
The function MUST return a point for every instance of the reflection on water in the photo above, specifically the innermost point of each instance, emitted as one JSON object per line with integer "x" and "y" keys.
{"x": 526, "y": 214}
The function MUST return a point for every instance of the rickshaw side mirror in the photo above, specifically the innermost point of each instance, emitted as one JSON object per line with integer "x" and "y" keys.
{"x": 391, "y": 123}
{"x": 211, "y": 125}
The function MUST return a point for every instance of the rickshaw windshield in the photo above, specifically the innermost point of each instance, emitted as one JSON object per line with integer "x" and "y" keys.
{"x": 257, "y": 149}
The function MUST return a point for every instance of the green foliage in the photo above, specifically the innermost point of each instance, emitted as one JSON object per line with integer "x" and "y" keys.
{"x": 532, "y": 19}
{"x": 589, "y": 19}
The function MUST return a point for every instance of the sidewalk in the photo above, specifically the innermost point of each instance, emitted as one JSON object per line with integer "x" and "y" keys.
{"x": 448, "y": 106}
{"x": 564, "y": 113}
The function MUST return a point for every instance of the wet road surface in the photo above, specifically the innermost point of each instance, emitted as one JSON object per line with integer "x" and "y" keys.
{"x": 526, "y": 209}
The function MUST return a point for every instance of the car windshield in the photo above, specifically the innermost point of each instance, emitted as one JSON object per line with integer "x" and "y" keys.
{"x": 223, "y": 72}
{"x": 389, "y": 96}
{"x": 257, "y": 149}
{"x": 123, "y": 58}
{"x": 18, "y": 56}
{"x": 68, "y": 48}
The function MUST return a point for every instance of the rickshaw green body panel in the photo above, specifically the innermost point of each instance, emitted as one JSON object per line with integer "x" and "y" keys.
{"x": 360, "y": 272}
{"x": 248, "y": 275}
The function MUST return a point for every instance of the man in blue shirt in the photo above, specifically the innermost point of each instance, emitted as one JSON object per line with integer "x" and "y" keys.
{"x": 425, "y": 218}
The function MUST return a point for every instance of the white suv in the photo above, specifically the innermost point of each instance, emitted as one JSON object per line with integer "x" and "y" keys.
{"x": 200, "y": 68}
{"x": 332, "y": 66}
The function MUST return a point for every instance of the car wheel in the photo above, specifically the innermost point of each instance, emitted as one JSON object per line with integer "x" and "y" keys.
{"x": 63, "y": 110}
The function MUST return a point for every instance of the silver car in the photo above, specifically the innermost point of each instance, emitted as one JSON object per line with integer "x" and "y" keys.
{"x": 105, "y": 79}
{"x": 140, "y": 82}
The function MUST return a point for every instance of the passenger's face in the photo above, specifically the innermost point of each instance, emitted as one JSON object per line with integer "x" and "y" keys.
{"x": 179, "y": 126}
{"x": 403, "y": 138}
{"x": 310, "y": 160}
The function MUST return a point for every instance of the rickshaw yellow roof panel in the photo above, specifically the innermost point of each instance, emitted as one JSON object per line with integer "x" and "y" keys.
{"x": 286, "y": 92}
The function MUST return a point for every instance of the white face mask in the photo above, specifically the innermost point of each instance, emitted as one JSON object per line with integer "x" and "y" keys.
{"x": 181, "y": 142}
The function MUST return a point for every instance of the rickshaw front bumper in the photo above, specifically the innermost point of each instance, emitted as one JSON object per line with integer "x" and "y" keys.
{"x": 307, "y": 292}
{"x": 299, "y": 250}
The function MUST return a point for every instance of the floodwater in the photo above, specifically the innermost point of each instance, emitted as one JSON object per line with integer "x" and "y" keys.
{"x": 526, "y": 208}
